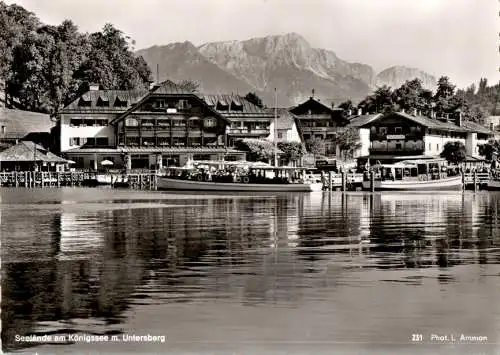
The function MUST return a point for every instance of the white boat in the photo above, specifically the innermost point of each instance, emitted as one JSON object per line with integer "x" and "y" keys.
{"x": 246, "y": 176}
{"x": 165, "y": 183}
{"x": 494, "y": 184}
{"x": 418, "y": 175}
{"x": 448, "y": 183}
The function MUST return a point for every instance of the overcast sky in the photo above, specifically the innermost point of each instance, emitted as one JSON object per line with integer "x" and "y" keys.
{"x": 458, "y": 38}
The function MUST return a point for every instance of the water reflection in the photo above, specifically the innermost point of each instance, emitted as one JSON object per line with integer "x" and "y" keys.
{"x": 73, "y": 270}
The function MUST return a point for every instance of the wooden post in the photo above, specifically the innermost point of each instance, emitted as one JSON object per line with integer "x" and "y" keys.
{"x": 344, "y": 177}
{"x": 330, "y": 181}
{"x": 372, "y": 181}
{"x": 16, "y": 178}
{"x": 463, "y": 180}
{"x": 475, "y": 181}
{"x": 58, "y": 176}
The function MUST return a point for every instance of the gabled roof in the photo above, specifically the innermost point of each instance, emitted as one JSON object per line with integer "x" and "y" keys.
{"x": 245, "y": 107}
{"x": 29, "y": 151}
{"x": 93, "y": 96}
{"x": 167, "y": 88}
{"x": 18, "y": 124}
{"x": 467, "y": 126}
{"x": 361, "y": 120}
{"x": 476, "y": 127}
{"x": 285, "y": 120}
{"x": 316, "y": 102}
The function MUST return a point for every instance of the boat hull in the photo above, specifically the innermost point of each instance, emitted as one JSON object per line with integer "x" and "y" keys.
{"x": 494, "y": 185}
{"x": 448, "y": 184}
{"x": 189, "y": 185}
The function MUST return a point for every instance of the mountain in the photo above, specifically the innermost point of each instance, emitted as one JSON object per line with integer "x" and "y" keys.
{"x": 286, "y": 62}
{"x": 183, "y": 61}
{"x": 397, "y": 75}
{"x": 290, "y": 64}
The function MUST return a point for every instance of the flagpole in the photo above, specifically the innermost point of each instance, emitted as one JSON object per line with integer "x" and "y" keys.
{"x": 275, "y": 127}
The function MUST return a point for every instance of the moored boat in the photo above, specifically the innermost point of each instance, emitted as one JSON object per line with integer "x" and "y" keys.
{"x": 238, "y": 177}
{"x": 414, "y": 176}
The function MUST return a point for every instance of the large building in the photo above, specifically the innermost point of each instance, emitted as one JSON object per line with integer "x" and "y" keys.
{"x": 164, "y": 126}
{"x": 401, "y": 136}
{"x": 246, "y": 119}
{"x": 315, "y": 120}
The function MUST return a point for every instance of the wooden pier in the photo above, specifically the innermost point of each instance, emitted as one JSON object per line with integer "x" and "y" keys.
{"x": 32, "y": 179}
{"x": 353, "y": 181}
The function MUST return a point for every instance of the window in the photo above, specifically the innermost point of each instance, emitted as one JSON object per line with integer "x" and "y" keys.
{"x": 430, "y": 147}
{"x": 437, "y": 147}
{"x": 398, "y": 130}
{"x": 280, "y": 135}
{"x": 398, "y": 146}
{"x": 3, "y": 129}
{"x": 160, "y": 103}
{"x": 382, "y": 130}
{"x": 101, "y": 141}
{"x": 183, "y": 104}
{"x": 120, "y": 102}
{"x": 102, "y": 102}
{"x": 131, "y": 122}
{"x": 210, "y": 122}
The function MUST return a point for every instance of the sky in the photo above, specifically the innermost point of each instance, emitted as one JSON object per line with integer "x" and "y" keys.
{"x": 457, "y": 38}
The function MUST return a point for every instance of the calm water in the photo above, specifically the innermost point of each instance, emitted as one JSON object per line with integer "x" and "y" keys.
{"x": 271, "y": 274}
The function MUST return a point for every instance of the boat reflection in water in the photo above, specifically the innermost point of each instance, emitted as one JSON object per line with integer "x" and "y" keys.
{"x": 225, "y": 273}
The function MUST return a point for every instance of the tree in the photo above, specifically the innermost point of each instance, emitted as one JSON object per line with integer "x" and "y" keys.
{"x": 454, "y": 152}
{"x": 189, "y": 85}
{"x": 490, "y": 150}
{"x": 381, "y": 101}
{"x": 348, "y": 141}
{"x": 292, "y": 151}
{"x": 50, "y": 65}
{"x": 316, "y": 146}
{"x": 257, "y": 149}
{"x": 411, "y": 95}
{"x": 254, "y": 99}
{"x": 348, "y": 107}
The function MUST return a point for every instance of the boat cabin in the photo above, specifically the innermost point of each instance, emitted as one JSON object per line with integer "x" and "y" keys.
{"x": 419, "y": 170}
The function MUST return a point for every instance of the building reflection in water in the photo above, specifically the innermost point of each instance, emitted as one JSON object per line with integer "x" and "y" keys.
{"x": 81, "y": 271}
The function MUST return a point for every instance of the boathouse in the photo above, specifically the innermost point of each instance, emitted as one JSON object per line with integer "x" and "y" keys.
{"x": 16, "y": 125}
{"x": 29, "y": 156}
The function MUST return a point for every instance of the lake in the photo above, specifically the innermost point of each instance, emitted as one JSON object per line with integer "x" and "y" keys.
{"x": 121, "y": 271}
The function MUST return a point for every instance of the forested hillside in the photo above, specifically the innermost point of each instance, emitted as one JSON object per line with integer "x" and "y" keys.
{"x": 45, "y": 67}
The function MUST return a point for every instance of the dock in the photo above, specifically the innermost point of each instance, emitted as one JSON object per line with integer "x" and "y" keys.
{"x": 32, "y": 179}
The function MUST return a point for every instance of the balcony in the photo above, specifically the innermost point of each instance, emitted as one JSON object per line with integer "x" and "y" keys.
{"x": 248, "y": 132}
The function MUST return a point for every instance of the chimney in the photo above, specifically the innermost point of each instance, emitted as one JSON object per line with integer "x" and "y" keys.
{"x": 491, "y": 126}
{"x": 402, "y": 110}
{"x": 459, "y": 119}
{"x": 414, "y": 111}
{"x": 360, "y": 111}
{"x": 349, "y": 113}
{"x": 93, "y": 87}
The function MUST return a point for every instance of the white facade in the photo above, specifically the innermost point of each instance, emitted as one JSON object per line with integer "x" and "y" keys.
{"x": 76, "y": 131}
{"x": 434, "y": 144}
{"x": 364, "y": 139}
{"x": 285, "y": 135}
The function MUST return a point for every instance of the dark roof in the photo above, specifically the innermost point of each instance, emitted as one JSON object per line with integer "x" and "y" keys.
{"x": 130, "y": 97}
{"x": 237, "y": 106}
{"x": 199, "y": 150}
{"x": 476, "y": 127}
{"x": 286, "y": 119}
{"x": 318, "y": 102}
{"x": 29, "y": 151}
{"x": 466, "y": 126}
{"x": 358, "y": 121}
{"x": 19, "y": 124}
{"x": 168, "y": 87}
